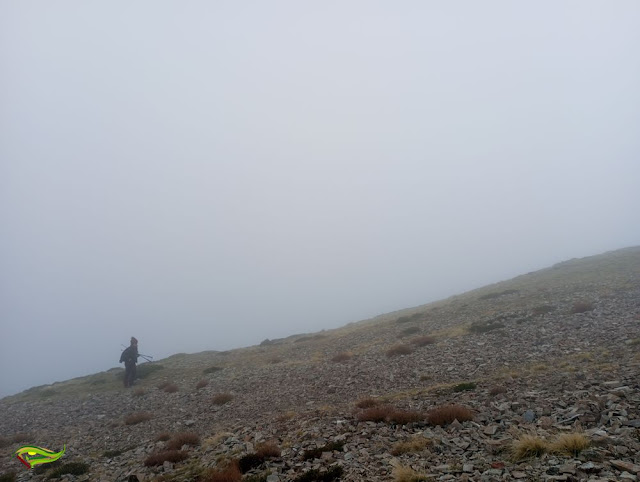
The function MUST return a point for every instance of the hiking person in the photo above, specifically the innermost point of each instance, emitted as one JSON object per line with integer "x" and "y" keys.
{"x": 130, "y": 358}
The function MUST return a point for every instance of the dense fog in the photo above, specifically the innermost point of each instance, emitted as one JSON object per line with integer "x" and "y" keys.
{"x": 205, "y": 175}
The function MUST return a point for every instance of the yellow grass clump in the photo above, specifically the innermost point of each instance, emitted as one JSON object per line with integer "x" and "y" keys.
{"x": 528, "y": 446}
{"x": 415, "y": 444}
{"x": 402, "y": 473}
{"x": 569, "y": 444}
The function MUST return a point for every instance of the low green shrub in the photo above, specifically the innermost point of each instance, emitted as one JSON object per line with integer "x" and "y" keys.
{"x": 462, "y": 387}
{"x": 315, "y": 475}
{"x": 73, "y": 468}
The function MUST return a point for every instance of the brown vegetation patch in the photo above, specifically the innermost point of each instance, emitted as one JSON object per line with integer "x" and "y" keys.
{"x": 231, "y": 473}
{"x": 484, "y": 326}
{"x": 448, "y": 413}
{"x": 386, "y": 413}
{"x": 463, "y": 387}
{"x": 497, "y": 390}
{"x": 542, "y": 310}
{"x": 249, "y": 462}
{"x": 286, "y": 416}
{"x": 137, "y": 392}
{"x": 267, "y": 450}
{"x": 222, "y": 398}
{"x": 21, "y": 437}
{"x": 497, "y": 294}
{"x": 582, "y": 307}
{"x": 423, "y": 340}
{"x": 159, "y": 458}
{"x": 170, "y": 388}
{"x": 8, "y": 477}
{"x": 404, "y": 417}
{"x": 15, "y": 438}
{"x": 316, "y": 475}
{"x": 407, "y": 319}
{"x": 137, "y": 417}
{"x": 163, "y": 437}
{"x": 202, "y": 383}
{"x": 412, "y": 330}
{"x": 342, "y": 357}
{"x": 367, "y": 402}
{"x": 379, "y": 413}
{"x": 398, "y": 350}
{"x": 183, "y": 438}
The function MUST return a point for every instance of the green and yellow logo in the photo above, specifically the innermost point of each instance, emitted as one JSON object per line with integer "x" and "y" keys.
{"x": 31, "y": 455}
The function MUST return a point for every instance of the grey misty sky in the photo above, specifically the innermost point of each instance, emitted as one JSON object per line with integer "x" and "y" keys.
{"x": 204, "y": 175}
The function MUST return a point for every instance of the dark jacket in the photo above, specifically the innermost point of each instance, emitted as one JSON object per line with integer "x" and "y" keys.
{"x": 129, "y": 355}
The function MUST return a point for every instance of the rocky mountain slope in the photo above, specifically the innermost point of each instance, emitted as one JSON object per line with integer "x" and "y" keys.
{"x": 535, "y": 378}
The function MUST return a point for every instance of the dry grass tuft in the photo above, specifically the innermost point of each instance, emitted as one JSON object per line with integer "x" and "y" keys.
{"x": 286, "y": 416}
{"x": 267, "y": 450}
{"x": 8, "y": 477}
{"x": 379, "y": 413}
{"x": 423, "y": 340}
{"x": 528, "y": 446}
{"x": 170, "y": 388}
{"x": 137, "y": 392}
{"x": 342, "y": 357}
{"x": 398, "y": 350}
{"x": 231, "y": 473}
{"x": 21, "y": 437}
{"x": 222, "y": 398}
{"x": 404, "y": 417}
{"x": 402, "y": 473}
{"x": 582, "y": 307}
{"x": 201, "y": 384}
{"x": 367, "y": 402}
{"x": 542, "y": 310}
{"x": 497, "y": 390}
{"x": 137, "y": 417}
{"x": 415, "y": 444}
{"x": 163, "y": 437}
{"x": 386, "y": 413}
{"x": 412, "y": 330}
{"x": 183, "y": 438}
{"x": 216, "y": 439}
{"x": 569, "y": 444}
{"x": 160, "y": 458}
{"x": 448, "y": 413}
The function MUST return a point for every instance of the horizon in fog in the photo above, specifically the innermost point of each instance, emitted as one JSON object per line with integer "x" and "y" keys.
{"x": 205, "y": 176}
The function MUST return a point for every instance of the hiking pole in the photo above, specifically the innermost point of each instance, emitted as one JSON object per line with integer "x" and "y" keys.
{"x": 149, "y": 358}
